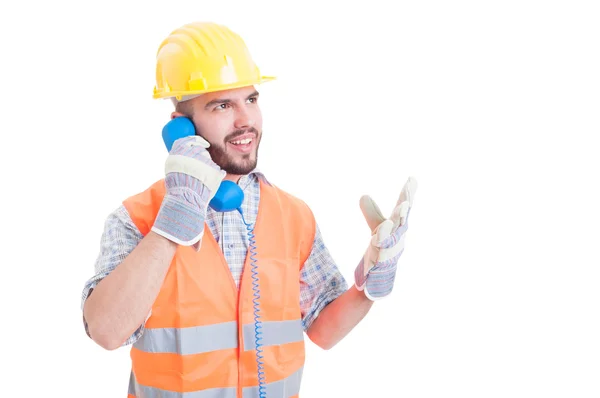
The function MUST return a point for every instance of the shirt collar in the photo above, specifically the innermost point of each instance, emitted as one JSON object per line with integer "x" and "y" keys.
{"x": 256, "y": 173}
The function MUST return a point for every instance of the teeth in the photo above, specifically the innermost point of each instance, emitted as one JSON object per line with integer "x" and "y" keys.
{"x": 242, "y": 142}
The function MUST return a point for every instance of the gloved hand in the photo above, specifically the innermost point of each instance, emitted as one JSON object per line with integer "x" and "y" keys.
{"x": 376, "y": 272}
{"x": 191, "y": 180}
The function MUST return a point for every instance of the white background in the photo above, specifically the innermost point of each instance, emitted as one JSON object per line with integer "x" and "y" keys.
{"x": 493, "y": 106}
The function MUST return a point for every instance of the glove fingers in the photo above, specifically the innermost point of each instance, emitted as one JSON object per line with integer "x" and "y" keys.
{"x": 189, "y": 141}
{"x": 400, "y": 214}
{"x": 383, "y": 232}
{"x": 200, "y": 141}
{"x": 408, "y": 192}
{"x": 371, "y": 212}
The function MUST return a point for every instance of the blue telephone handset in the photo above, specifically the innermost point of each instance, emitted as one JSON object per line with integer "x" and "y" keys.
{"x": 229, "y": 196}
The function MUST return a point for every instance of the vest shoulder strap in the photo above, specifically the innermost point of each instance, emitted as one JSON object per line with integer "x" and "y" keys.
{"x": 144, "y": 206}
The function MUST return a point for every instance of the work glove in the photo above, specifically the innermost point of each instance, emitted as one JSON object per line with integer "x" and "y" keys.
{"x": 376, "y": 272}
{"x": 191, "y": 180}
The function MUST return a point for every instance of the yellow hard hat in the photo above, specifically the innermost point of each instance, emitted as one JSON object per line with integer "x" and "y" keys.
{"x": 202, "y": 57}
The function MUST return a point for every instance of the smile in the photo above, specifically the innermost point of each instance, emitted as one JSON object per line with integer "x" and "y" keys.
{"x": 242, "y": 142}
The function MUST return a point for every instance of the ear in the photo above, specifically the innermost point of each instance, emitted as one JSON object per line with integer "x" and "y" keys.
{"x": 176, "y": 114}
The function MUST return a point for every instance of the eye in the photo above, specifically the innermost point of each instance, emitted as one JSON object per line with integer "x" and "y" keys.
{"x": 253, "y": 100}
{"x": 221, "y": 107}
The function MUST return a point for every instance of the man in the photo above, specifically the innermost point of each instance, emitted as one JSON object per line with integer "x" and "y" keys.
{"x": 174, "y": 278}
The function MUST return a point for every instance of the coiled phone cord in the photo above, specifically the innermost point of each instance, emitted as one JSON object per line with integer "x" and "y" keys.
{"x": 257, "y": 322}
{"x": 228, "y": 197}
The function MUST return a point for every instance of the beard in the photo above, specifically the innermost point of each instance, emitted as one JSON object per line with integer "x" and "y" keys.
{"x": 238, "y": 164}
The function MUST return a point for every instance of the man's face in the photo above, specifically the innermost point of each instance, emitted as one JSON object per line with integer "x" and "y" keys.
{"x": 231, "y": 121}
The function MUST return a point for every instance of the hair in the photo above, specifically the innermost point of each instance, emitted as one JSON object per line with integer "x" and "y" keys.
{"x": 184, "y": 105}
{"x": 185, "y": 108}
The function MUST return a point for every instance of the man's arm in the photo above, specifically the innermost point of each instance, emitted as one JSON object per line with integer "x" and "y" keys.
{"x": 375, "y": 274}
{"x": 329, "y": 309}
{"x": 339, "y": 317}
{"x": 129, "y": 273}
{"x": 132, "y": 268}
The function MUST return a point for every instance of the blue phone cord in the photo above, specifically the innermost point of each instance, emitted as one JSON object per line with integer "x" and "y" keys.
{"x": 257, "y": 322}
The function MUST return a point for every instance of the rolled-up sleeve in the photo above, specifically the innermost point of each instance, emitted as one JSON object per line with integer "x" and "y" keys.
{"x": 321, "y": 281}
{"x": 119, "y": 238}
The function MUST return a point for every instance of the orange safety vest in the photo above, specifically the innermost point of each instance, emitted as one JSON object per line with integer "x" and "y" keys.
{"x": 200, "y": 338}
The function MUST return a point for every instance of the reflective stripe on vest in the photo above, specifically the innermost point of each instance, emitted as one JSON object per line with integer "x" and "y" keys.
{"x": 286, "y": 388}
{"x": 201, "y": 339}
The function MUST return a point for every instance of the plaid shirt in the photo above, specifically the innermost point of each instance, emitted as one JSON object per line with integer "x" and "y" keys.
{"x": 320, "y": 281}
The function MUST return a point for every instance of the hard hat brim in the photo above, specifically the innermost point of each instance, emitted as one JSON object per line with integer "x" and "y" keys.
{"x": 180, "y": 94}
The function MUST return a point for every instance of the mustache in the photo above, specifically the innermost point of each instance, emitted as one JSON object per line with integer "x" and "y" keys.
{"x": 238, "y": 133}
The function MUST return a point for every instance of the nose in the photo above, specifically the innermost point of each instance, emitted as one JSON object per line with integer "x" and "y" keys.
{"x": 244, "y": 118}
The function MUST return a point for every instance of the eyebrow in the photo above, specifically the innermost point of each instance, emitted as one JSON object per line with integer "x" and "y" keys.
{"x": 227, "y": 101}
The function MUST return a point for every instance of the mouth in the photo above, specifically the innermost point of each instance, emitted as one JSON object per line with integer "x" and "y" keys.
{"x": 243, "y": 143}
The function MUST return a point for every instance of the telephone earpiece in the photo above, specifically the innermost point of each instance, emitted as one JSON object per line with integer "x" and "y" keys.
{"x": 229, "y": 196}
{"x": 177, "y": 128}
